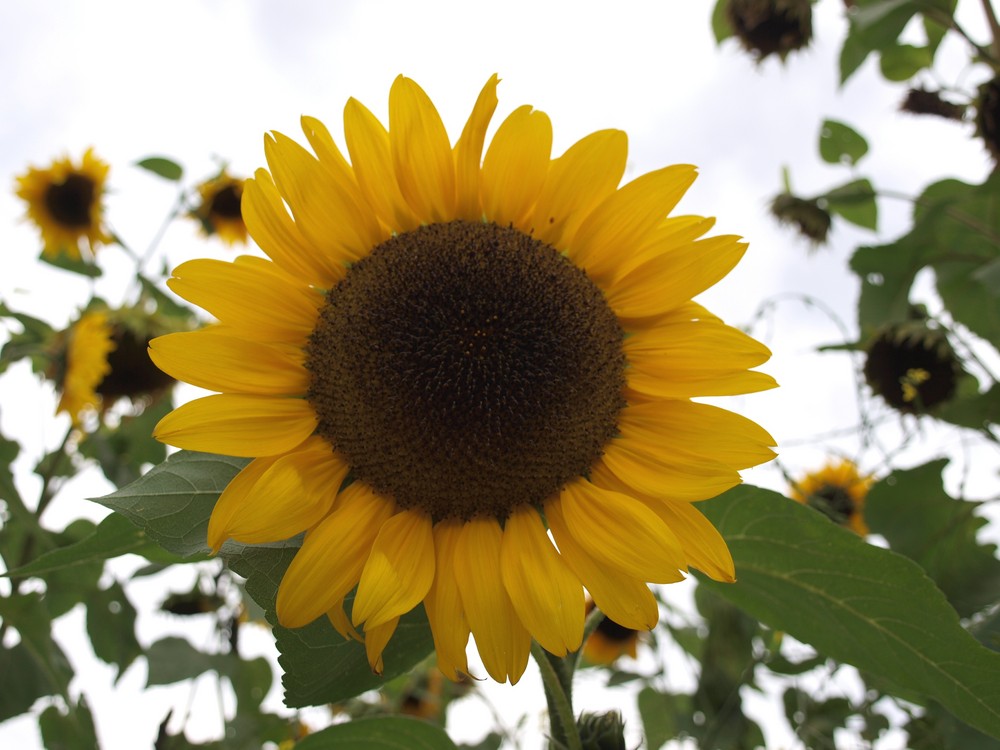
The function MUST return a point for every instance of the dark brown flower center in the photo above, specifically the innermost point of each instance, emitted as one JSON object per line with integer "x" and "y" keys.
{"x": 612, "y": 631}
{"x": 833, "y": 501}
{"x": 226, "y": 203}
{"x": 913, "y": 373}
{"x": 132, "y": 373}
{"x": 69, "y": 202}
{"x": 466, "y": 368}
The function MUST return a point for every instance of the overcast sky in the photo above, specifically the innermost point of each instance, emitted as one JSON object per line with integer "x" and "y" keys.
{"x": 203, "y": 81}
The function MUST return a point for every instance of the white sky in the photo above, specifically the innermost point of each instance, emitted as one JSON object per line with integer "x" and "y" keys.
{"x": 198, "y": 81}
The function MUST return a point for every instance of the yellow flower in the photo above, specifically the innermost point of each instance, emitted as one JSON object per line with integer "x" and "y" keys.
{"x": 609, "y": 641}
{"x": 64, "y": 202}
{"x": 87, "y": 346}
{"x": 481, "y": 342}
{"x": 219, "y": 208}
{"x": 838, "y": 491}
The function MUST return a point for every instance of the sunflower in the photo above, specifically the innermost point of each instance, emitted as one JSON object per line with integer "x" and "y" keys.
{"x": 838, "y": 490}
{"x": 218, "y": 209}
{"x": 64, "y": 202}
{"x": 82, "y": 363}
{"x": 491, "y": 347}
{"x": 609, "y": 641}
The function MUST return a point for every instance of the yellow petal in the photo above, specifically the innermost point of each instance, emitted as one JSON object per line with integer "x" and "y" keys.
{"x": 421, "y": 153}
{"x": 273, "y": 230}
{"x": 342, "y": 623}
{"x": 399, "y": 571}
{"x": 368, "y": 144}
{"x": 444, "y": 604}
{"x": 376, "y": 639}
{"x": 670, "y": 278}
{"x": 330, "y": 213}
{"x": 680, "y": 478}
{"x": 252, "y": 295}
{"x": 546, "y": 595}
{"x": 237, "y": 425}
{"x": 468, "y": 152}
{"x": 622, "y": 532}
{"x": 684, "y": 428}
{"x": 330, "y": 561}
{"x": 577, "y": 181}
{"x": 704, "y": 547}
{"x": 232, "y": 499}
{"x": 627, "y": 601}
{"x": 502, "y": 640}
{"x": 624, "y": 221}
{"x": 219, "y": 360}
{"x": 294, "y": 494}
{"x": 328, "y": 153}
{"x": 515, "y": 167}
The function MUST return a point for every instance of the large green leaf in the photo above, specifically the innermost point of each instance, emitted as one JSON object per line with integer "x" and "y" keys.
{"x": 854, "y": 602}
{"x": 917, "y": 517}
{"x": 111, "y": 627}
{"x": 839, "y": 143}
{"x": 855, "y": 202}
{"x": 382, "y": 733}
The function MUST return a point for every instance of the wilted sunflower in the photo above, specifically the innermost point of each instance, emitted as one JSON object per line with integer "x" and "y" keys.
{"x": 485, "y": 345}
{"x": 81, "y": 362}
{"x": 65, "y": 203}
{"x": 218, "y": 209}
{"x": 838, "y": 490}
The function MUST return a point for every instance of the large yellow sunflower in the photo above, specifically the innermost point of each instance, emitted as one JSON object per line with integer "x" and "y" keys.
{"x": 65, "y": 203}
{"x": 491, "y": 348}
{"x": 218, "y": 208}
{"x": 838, "y": 490}
{"x": 82, "y": 364}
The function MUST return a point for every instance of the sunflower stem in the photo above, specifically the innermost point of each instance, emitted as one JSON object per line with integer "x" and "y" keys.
{"x": 557, "y": 679}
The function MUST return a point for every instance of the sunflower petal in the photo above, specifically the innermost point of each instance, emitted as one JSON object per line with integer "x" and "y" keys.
{"x": 421, "y": 153}
{"x": 232, "y": 499}
{"x": 515, "y": 167}
{"x": 444, "y": 604}
{"x": 468, "y": 153}
{"x": 652, "y": 473}
{"x": 371, "y": 154}
{"x": 627, "y": 601}
{"x": 622, "y": 532}
{"x": 342, "y": 623}
{"x": 330, "y": 561}
{"x": 546, "y": 595}
{"x": 503, "y": 642}
{"x": 577, "y": 181}
{"x": 376, "y": 639}
{"x": 238, "y": 425}
{"x": 220, "y": 360}
{"x": 704, "y": 547}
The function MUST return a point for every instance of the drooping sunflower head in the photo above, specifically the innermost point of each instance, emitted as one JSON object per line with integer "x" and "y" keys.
{"x": 988, "y": 116}
{"x": 924, "y": 101}
{"x": 810, "y": 218}
{"x": 218, "y": 208}
{"x": 912, "y": 366}
{"x": 838, "y": 491}
{"x": 65, "y": 202}
{"x": 771, "y": 27}
{"x": 496, "y": 348}
{"x": 80, "y": 363}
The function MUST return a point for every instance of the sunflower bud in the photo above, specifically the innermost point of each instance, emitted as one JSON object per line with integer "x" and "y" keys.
{"x": 923, "y": 101}
{"x": 769, "y": 27}
{"x": 808, "y": 216}
{"x": 912, "y": 366}
{"x": 988, "y": 116}
{"x": 601, "y": 731}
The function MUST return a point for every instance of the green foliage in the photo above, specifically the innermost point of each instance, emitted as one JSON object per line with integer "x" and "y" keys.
{"x": 854, "y": 202}
{"x": 854, "y": 602}
{"x": 840, "y": 143}
{"x": 384, "y": 733}
{"x": 162, "y": 167}
{"x": 111, "y": 627}
{"x": 72, "y": 730}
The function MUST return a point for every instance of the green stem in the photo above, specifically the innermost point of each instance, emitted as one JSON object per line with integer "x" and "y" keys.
{"x": 557, "y": 679}
{"x": 991, "y": 19}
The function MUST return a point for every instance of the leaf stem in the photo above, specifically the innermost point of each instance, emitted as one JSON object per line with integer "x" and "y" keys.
{"x": 557, "y": 679}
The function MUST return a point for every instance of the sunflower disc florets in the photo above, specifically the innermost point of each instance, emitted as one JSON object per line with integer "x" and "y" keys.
{"x": 771, "y": 27}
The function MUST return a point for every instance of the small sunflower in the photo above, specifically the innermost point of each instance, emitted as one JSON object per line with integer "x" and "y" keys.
{"x": 493, "y": 347}
{"x": 81, "y": 364}
{"x": 131, "y": 372}
{"x": 609, "y": 641}
{"x": 218, "y": 209}
{"x": 65, "y": 203}
{"x": 771, "y": 27}
{"x": 838, "y": 491}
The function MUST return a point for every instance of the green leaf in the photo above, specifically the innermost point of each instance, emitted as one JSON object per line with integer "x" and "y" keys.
{"x": 320, "y": 666}
{"x": 37, "y": 655}
{"x": 840, "y": 143}
{"x": 664, "y": 716}
{"x": 970, "y": 408}
{"x": 854, "y": 602}
{"x": 854, "y": 202}
{"x": 67, "y": 587}
{"x": 721, "y": 27}
{"x": 853, "y": 53}
{"x": 111, "y": 627}
{"x": 382, "y": 733}
{"x": 66, "y": 262}
{"x": 918, "y": 519}
{"x": 73, "y": 730}
{"x": 173, "y": 502}
{"x": 163, "y": 167}
{"x": 125, "y": 451}
{"x": 901, "y": 62}
{"x": 887, "y": 273}
{"x": 173, "y": 659}
{"x": 25, "y": 680}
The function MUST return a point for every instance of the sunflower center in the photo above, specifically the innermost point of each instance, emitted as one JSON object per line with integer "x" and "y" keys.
{"x": 226, "y": 203}
{"x": 69, "y": 202}
{"x": 615, "y": 632}
{"x": 833, "y": 501}
{"x": 465, "y": 369}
